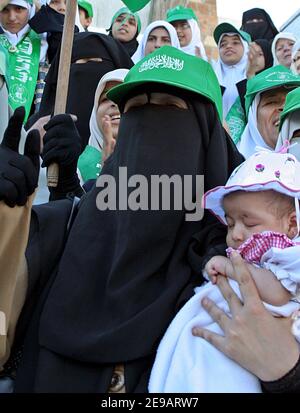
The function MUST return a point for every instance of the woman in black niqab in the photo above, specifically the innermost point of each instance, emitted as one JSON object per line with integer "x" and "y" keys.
{"x": 84, "y": 77}
{"x": 123, "y": 274}
{"x": 258, "y": 24}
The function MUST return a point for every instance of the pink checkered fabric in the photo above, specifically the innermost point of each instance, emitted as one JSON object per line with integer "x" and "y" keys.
{"x": 254, "y": 248}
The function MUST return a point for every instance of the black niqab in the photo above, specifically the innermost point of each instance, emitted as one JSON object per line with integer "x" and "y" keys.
{"x": 260, "y": 30}
{"x": 84, "y": 77}
{"x": 123, "y": 273}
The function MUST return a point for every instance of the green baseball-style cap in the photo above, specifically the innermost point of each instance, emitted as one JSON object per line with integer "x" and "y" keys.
{"x": 125, "y": 10}
{"x": 229, "y": 28}
{"x": 292, "y": 104}
{"x": 271, "y": 78}
{"x": 180, "y": 13}
{"x": 170, "y": 66}
{"x": 87, "y": 7}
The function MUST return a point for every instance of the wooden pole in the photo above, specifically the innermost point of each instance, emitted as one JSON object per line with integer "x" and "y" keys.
{"x": 63, "y": 76}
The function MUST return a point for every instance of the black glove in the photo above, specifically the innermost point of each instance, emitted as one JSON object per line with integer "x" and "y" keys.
{"x": 62, "y": 145}
{"x": 18, "y": 173}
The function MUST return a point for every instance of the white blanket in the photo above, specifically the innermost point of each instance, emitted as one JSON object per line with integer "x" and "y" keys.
{"x": 187, "y": 364}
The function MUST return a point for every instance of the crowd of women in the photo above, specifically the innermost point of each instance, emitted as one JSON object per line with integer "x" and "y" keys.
{"x": 88, "y": 294}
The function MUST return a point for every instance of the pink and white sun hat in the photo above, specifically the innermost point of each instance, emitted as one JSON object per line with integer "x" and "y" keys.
{"x": 264, "y": 170}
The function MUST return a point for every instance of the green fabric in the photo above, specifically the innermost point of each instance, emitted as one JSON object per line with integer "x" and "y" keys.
{"x": 180, "y": 13}
{"x": 229, "y": 28}
{"x": 292, "y": 104}
{"x": 89, "y": 163}
{"x": 87, "y": 7}
{"x": 236, "y": 120}
{"x": 23, "y": 63}
{"x": 136, "y": 5}
{"x": 271, "y": 78}
{"x": 125, "y": 10}
{"x": 173, "y": 67}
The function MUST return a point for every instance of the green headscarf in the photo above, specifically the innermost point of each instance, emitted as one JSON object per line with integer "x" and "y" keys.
{"x": 125, "y": 10}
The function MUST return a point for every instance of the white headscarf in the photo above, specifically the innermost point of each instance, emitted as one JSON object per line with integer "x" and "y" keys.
{"x": 96, "y": 138}
{"x": 251, "y": 138}
{"x": 296, "y": 48}
{"x": 196, "y": 40}
{"x": 15, "y": 38}
{"x": 289, "y": 126}
{"x": 282, "y": 35}
{"x": 140, "y": 52}
{"x": 230, "y": 75}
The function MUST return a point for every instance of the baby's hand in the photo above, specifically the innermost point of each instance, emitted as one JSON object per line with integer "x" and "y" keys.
{"x": 218, "y": 265}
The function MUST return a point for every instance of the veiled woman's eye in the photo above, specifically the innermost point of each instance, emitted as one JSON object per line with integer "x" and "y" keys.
{"x": 164, "y": 99}
{"x": 88, "y": 59}
{"x": 139, "y": 100}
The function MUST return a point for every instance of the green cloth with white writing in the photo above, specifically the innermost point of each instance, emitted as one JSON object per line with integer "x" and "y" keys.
{"x": 236, "y": 120}
{"x": 23, "y": 68}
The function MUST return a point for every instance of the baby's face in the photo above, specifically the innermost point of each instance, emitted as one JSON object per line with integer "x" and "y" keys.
{"x": 248, "y": 213}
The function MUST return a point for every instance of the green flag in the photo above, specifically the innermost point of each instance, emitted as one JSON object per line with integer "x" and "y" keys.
{"x": 135, "y": 5}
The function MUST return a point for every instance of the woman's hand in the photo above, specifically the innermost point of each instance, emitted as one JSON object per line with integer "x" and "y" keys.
{"x": 253, "y": 338}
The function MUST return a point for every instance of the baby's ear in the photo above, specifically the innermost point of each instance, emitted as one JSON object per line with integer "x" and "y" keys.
{"x": 293, "y": 227}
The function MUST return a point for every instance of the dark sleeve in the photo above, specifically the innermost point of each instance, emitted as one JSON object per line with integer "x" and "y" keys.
{"x": 290, "y": 383}
{"x": 242, "y": 88}
{"x": 47, "y": 237}
{"x": 77, "y": 191}
{"x": 47, "y": 20}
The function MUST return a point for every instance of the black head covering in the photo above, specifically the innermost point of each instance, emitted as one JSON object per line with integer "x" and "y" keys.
{"x": 130, "y": 46}
{"x": 122, "y": 274}
{"x": 267, "y": 51}
{"x": 50, "y": 21}
{"x": 84, "y": 78}
{"x": 262, "y": 30}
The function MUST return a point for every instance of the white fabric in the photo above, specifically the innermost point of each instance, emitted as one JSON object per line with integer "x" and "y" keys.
{"x": 285, "y": 265}
{"x": 281, "y": 35}
{"x": 14, "y": 39}
{"x": 196, "y": 40}
{"x": 140, "y": 51}
{"x": 251, "y": 136}
{"x": 230, "y": 75}
{"x": 258, "y": 173}
{"x": 185, "y": 363}
{"x": 96, "y": 137}
{"x": 289, "y": 126}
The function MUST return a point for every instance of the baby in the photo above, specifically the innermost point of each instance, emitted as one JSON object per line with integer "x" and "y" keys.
{"x": 260, "y": 206}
